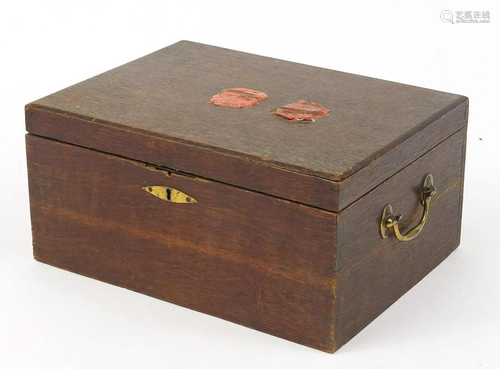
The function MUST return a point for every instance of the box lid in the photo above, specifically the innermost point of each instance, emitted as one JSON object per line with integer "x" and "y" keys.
{"x": 155, "y": 110}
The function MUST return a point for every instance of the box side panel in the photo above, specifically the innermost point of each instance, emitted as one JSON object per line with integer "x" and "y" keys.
{"x": 245, "y": 257}
{"x": 375, "y": 272}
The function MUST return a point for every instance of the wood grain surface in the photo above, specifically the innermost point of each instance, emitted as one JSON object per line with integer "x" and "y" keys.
{"x": 374, "y": 272}
{"x": 155, "y": 109}
{"x": 252, "y": 259}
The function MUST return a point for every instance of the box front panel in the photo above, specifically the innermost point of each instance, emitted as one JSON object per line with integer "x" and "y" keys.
{"x": 249, "y": 258}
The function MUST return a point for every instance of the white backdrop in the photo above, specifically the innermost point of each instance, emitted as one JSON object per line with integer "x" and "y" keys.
{"x": 54, "y": 319}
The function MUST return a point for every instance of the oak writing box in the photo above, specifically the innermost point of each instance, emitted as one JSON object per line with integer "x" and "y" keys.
{"x": 249, "y": 188}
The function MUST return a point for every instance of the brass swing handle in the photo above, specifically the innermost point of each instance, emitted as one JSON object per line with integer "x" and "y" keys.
{"x": 389, "y": 220}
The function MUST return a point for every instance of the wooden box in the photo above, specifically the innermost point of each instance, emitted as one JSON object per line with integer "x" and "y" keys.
{"x": 139, "y": 178}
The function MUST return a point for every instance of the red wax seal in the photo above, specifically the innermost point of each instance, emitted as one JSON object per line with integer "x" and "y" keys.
{"x": 238, "y": 98}
{"x": 302, "y": 110}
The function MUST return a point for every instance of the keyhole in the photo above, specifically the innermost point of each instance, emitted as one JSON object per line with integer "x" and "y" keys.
{"x": 169, "y": 193}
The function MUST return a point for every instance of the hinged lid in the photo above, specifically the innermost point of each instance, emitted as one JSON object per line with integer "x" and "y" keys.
{"x": 155, "y": 109}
